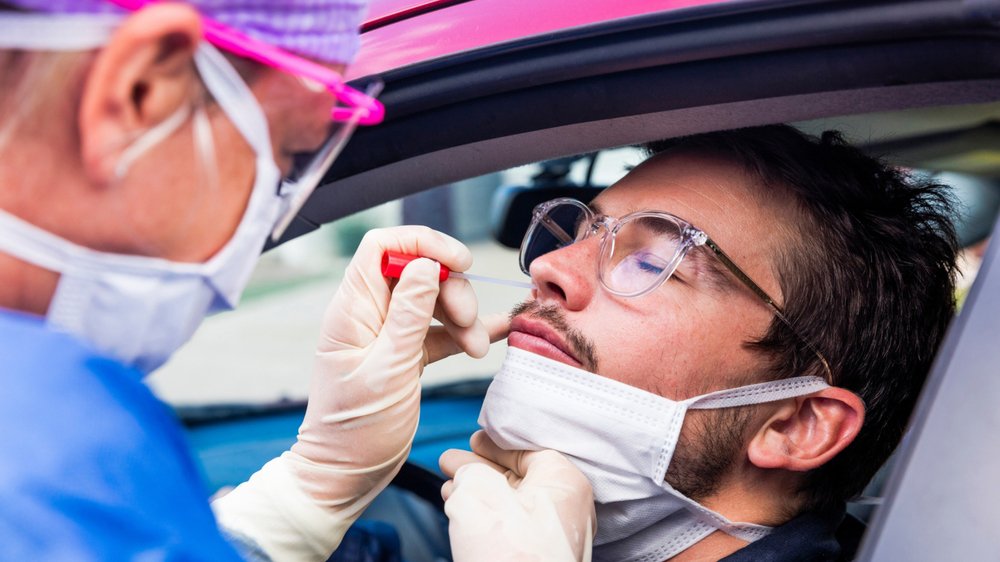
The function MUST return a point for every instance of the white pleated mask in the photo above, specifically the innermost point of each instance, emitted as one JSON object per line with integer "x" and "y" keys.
{"x": 622, "y": 438}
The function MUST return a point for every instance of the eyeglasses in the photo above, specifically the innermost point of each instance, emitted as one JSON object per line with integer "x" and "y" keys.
{"x": 355, "y": 108}
{"x": 639, "y": 251}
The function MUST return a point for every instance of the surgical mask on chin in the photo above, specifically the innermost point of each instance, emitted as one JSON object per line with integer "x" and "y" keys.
{"x": 142, "y": 309}
{"x": 622, "y": 438}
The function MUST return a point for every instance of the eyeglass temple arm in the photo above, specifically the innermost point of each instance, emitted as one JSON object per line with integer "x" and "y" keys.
{"x": 778, "y": 312}
{"x": 556, "y": 230}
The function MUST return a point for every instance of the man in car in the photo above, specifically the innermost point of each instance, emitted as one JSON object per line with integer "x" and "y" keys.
{"x": 728, "y": 343}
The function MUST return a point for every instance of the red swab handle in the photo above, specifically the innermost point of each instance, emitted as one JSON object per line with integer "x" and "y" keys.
{"x": 394, "y": 262}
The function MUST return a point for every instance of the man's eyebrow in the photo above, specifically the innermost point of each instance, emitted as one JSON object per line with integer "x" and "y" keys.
{"x": 599, "y": 210}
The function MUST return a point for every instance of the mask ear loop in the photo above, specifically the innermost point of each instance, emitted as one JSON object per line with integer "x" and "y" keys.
{"x": 204, "y": 145}
{"x": 144, "y": 142}
{"x": 152, "y": 137}
{"x": 202, "y": 141}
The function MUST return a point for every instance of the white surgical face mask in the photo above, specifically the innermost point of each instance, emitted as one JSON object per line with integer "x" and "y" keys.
{"x": 141, "y": 309}
{"x": 622, "y": 438}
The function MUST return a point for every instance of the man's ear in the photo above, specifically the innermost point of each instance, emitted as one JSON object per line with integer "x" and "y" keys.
{"x": 141, "y": 77}
{"x": 805, "y": 433}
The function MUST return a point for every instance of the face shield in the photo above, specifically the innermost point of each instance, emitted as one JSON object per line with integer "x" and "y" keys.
{"x": 353, "y": 107}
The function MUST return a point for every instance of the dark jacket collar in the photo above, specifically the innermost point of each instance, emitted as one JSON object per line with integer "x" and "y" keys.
{"x": 812, "y": 535}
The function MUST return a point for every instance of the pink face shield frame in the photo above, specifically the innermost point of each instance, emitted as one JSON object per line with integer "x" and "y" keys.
{"x": 354, "y": 107}
{"x": 365, "y": 109}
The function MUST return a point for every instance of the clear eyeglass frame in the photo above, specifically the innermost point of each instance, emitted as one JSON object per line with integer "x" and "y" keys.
{"x": 690, "y": 237}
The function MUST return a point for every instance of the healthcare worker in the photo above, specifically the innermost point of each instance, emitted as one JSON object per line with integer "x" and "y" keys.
{"x": 141, "y": 151}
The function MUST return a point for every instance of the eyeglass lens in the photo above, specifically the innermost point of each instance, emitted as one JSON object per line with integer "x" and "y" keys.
{"x": 555, "y": 228}
{"x": 643, "y": 251}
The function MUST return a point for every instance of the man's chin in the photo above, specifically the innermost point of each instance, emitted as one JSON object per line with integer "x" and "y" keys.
{"x": 541, "y": 346}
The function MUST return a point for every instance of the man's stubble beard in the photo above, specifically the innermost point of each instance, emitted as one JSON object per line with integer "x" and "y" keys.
{"x": 710, "y": 444}
{"x": 710, "y": 440}
{"x": 582, "y": 348}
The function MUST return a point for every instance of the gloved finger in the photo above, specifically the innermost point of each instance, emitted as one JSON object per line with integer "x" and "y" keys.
{"x": 441, "y": 341}
{"x": 544, "y": 468}
{"x": 497, "y": 326}
{"x": 410, "y": 310}
{"x": 447, "y": 489}
{"x": 483, "y": 446}
{"x": 457, "y": 309}
{"x": 454, "y": 459}
{"x": 414, "y": 240}
{"x": 542, "y": 464}
{"x": 473, "y": 340}
{"x": 476, "y": 487}
{"x": 553, "y": 470}
{"x": 458, "y": 303}
{"x": 355, "y": 315}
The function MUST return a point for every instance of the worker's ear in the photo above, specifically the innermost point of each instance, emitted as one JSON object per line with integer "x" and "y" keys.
{"x": 141, "y": 77}
{"x": 805, "y": 433}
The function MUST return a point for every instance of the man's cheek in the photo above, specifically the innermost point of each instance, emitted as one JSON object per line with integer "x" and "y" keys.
{"x": 623, "y": 357}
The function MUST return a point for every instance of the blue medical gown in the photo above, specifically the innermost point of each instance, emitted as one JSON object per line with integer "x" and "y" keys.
{"x": 92, "y": 465}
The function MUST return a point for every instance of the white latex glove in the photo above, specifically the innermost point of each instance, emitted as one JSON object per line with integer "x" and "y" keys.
{"x": 364, "y": 398}
{"x": 516, "y": 505}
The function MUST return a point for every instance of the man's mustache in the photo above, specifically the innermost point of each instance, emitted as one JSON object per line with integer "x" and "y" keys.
{"x": 582, "y": 348}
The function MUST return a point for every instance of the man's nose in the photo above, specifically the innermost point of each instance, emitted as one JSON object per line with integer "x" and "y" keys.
{"x": 568, "y": 275}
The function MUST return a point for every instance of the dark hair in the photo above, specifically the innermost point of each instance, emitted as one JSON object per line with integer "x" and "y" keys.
{"x": 869, "y": 280}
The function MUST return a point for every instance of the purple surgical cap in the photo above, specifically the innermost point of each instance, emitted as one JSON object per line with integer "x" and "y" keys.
{"x": 325, "y": 30}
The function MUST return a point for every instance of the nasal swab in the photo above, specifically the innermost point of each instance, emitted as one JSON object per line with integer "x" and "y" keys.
{"x": 394, "y": 262}
{"x": 474, "y": 277}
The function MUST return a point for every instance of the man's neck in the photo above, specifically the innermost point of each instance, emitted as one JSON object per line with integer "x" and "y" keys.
{"x": 748, "y": 495}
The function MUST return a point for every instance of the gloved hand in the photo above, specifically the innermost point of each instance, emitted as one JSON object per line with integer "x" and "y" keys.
{"x": 516, "y": 505}
{"x": 364, "y": 398}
